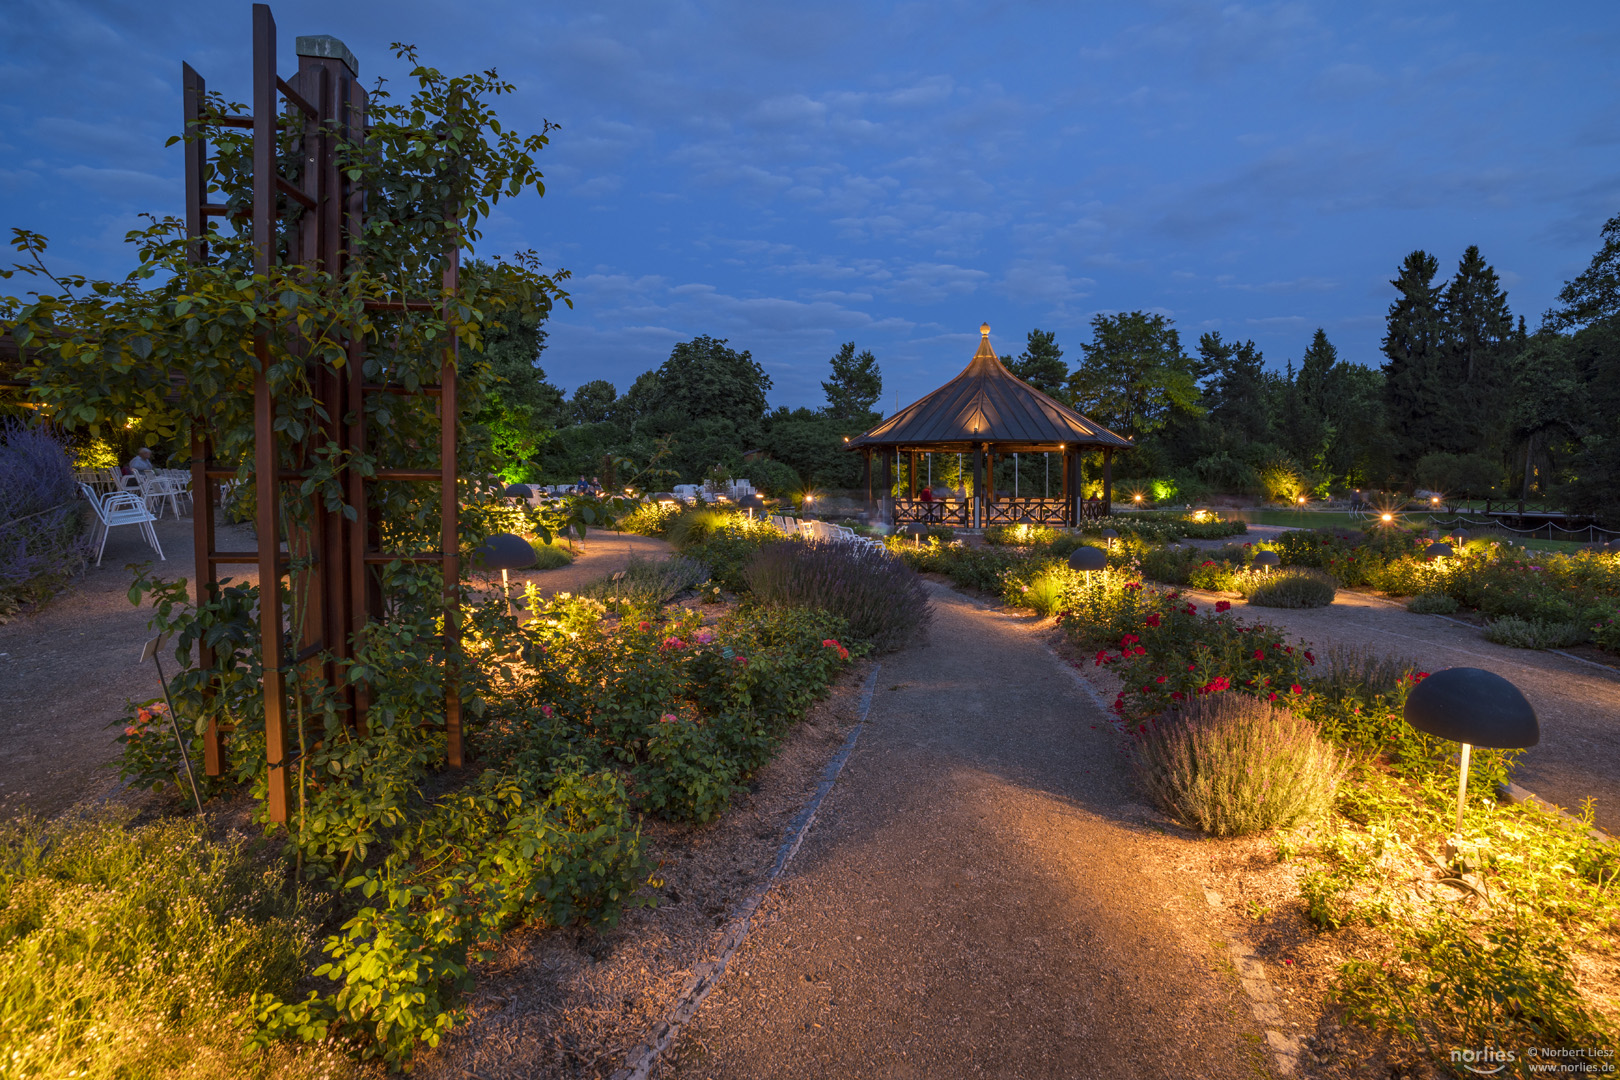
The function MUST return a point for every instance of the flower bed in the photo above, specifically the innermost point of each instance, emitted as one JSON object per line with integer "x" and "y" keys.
{"x": 579, "y": 723}
{"x": 1438, "y": 966}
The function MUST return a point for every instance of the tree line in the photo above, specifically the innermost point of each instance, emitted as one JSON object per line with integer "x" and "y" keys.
{"x": 1467, "y": 400}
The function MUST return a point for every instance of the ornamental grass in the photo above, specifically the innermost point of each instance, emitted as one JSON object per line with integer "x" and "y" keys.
{"x": 883, "y": 600}
{"x": 1229, "y": 764}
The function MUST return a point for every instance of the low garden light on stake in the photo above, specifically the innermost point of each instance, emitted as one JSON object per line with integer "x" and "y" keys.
{"x": 1438, "y": 550}
{"x": 1267, "y": 559}
{"x": 150, "y": 652}
{"x": 1474, "y": 707}
{"x": 1087, "y": 559}
{"x": 1109, "y": 535}
{"x": 916, "y": 530}
{"x": 504, "y": 552}
{"x": 751, "y": 503}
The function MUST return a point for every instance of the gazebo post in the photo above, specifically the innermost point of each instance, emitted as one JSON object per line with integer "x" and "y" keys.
{"x": 866, "y": 476}
{"x": 978, "y": 485}
{"x": 911, "y": 475}
{"x": 1108, "y": 480}
{"x": 888, "y": 481}
{"x": 1067, "y": 493}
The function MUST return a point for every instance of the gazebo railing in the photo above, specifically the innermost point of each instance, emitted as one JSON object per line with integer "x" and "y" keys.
{"x": 1005, "y": 511}
{"x": 938, "y": 512}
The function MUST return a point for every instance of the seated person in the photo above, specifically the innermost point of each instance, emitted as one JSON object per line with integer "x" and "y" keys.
{"x": 142, "y": 461}
{"x": 926, "y": 494}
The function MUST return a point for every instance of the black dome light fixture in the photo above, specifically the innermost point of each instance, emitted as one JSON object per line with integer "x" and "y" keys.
{"x": 1474, "y": 707}
{"x": 504, "y": 552}
{"x": 1109, "y": 535}
{"x": 917, "y": 531}
{"x": 1438, "y": 550}
{"x": 518, "y": 491}
{"x": 1267, "y": 559}
{"x": 1087, "y": 559}
{"x": 751, "y": 502}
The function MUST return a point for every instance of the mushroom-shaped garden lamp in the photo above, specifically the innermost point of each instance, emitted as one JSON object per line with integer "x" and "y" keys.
{"x": 1476, "y": 708}
{"x": 1087, "y": 559}
{"x": 517, "y": 491}
{"x": 751, "y": 503}
{"x": 916, "y": 530}
{"x": 1438, "y": 550}
{"x": 1109, "y": 535}
{"x": 503, "y": 552}
{"x": 1267, "y": 559}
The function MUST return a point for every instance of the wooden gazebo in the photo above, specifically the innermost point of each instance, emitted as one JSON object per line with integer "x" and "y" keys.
{"x": 989, "y": 413}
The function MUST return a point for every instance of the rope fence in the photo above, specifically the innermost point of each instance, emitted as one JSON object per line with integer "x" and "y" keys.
{"x": 1592, "y": 533}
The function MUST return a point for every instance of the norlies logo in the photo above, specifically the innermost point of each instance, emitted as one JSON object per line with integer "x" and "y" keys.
{"x": 1487, "y": 1061}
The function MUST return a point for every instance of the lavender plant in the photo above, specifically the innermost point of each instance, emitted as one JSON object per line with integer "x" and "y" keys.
{"x": 881, "y": 598}
{"x": 43, "y": 534}
{"x": 1230, "y": 764}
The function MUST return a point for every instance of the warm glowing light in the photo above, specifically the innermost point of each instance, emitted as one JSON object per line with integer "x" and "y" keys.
{"x": 1387, "y": 518}
{"x": 846, "y": 438}
{"x": 129, "y": 425}
{"x": 1138, "y": 498}
{"x": 1302, "y": 500}
{"x": 1434, "y": 500}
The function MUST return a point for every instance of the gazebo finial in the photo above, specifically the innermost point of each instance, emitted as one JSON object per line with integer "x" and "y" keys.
{"x": 984, "y": 329}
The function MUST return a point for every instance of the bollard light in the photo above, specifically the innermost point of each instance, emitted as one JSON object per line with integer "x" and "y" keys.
{"x": 1267, "y": 559}
{"x": 1086, "y": 559}
{"x": 1475, "y": 708}
{"x": 503, "y": 552}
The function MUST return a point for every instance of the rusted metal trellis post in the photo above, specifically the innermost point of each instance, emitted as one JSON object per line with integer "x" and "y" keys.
{"x": 334, "y": 587}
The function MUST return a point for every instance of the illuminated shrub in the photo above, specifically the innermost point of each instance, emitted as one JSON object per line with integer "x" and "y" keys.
{"x": 882, "y": 599}
{"x": 1294, "y": 587}
{"x": 1229, "y": 764}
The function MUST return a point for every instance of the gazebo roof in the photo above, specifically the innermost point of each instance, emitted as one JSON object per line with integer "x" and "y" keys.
{"x": 986, "y": 403}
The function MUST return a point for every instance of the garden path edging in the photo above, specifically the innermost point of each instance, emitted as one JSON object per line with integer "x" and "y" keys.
{"x": 706, "y": 976}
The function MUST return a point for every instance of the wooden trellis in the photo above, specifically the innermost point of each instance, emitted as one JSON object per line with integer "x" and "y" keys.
{"x": 339, "y": 591}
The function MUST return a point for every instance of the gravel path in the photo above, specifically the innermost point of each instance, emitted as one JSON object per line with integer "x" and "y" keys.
{"x": 981, "y": 894}
{"x": 1577, "y": 703}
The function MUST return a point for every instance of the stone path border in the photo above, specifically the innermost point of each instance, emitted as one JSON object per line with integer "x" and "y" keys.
{"x": 706, "y": 975}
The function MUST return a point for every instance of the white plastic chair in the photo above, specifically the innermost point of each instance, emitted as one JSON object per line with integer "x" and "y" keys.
{"x": 122, "y": 508}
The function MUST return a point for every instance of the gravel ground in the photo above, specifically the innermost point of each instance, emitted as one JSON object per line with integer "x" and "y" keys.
{"x": 68, "y": 669}
{"x": 1577, "y": 703}
{"x": 982, "y": 894}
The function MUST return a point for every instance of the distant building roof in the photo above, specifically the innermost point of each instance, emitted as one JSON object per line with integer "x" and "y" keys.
{"x": 989, "y": 404}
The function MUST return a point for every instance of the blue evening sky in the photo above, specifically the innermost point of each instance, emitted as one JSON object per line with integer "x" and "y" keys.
{"x": 792, "y": 176}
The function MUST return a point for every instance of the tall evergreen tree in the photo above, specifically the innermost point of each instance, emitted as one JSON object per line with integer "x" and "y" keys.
{"x": 1236, "y": 392}
{"x": 1477, "y": 339}
{"x": 1041, "y": 363}
{"x": 1412, "y": 347}
{"x": 855, "y": 386}
{"x": 1134, "y": 373}
{"x": 1594, "y": 295}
